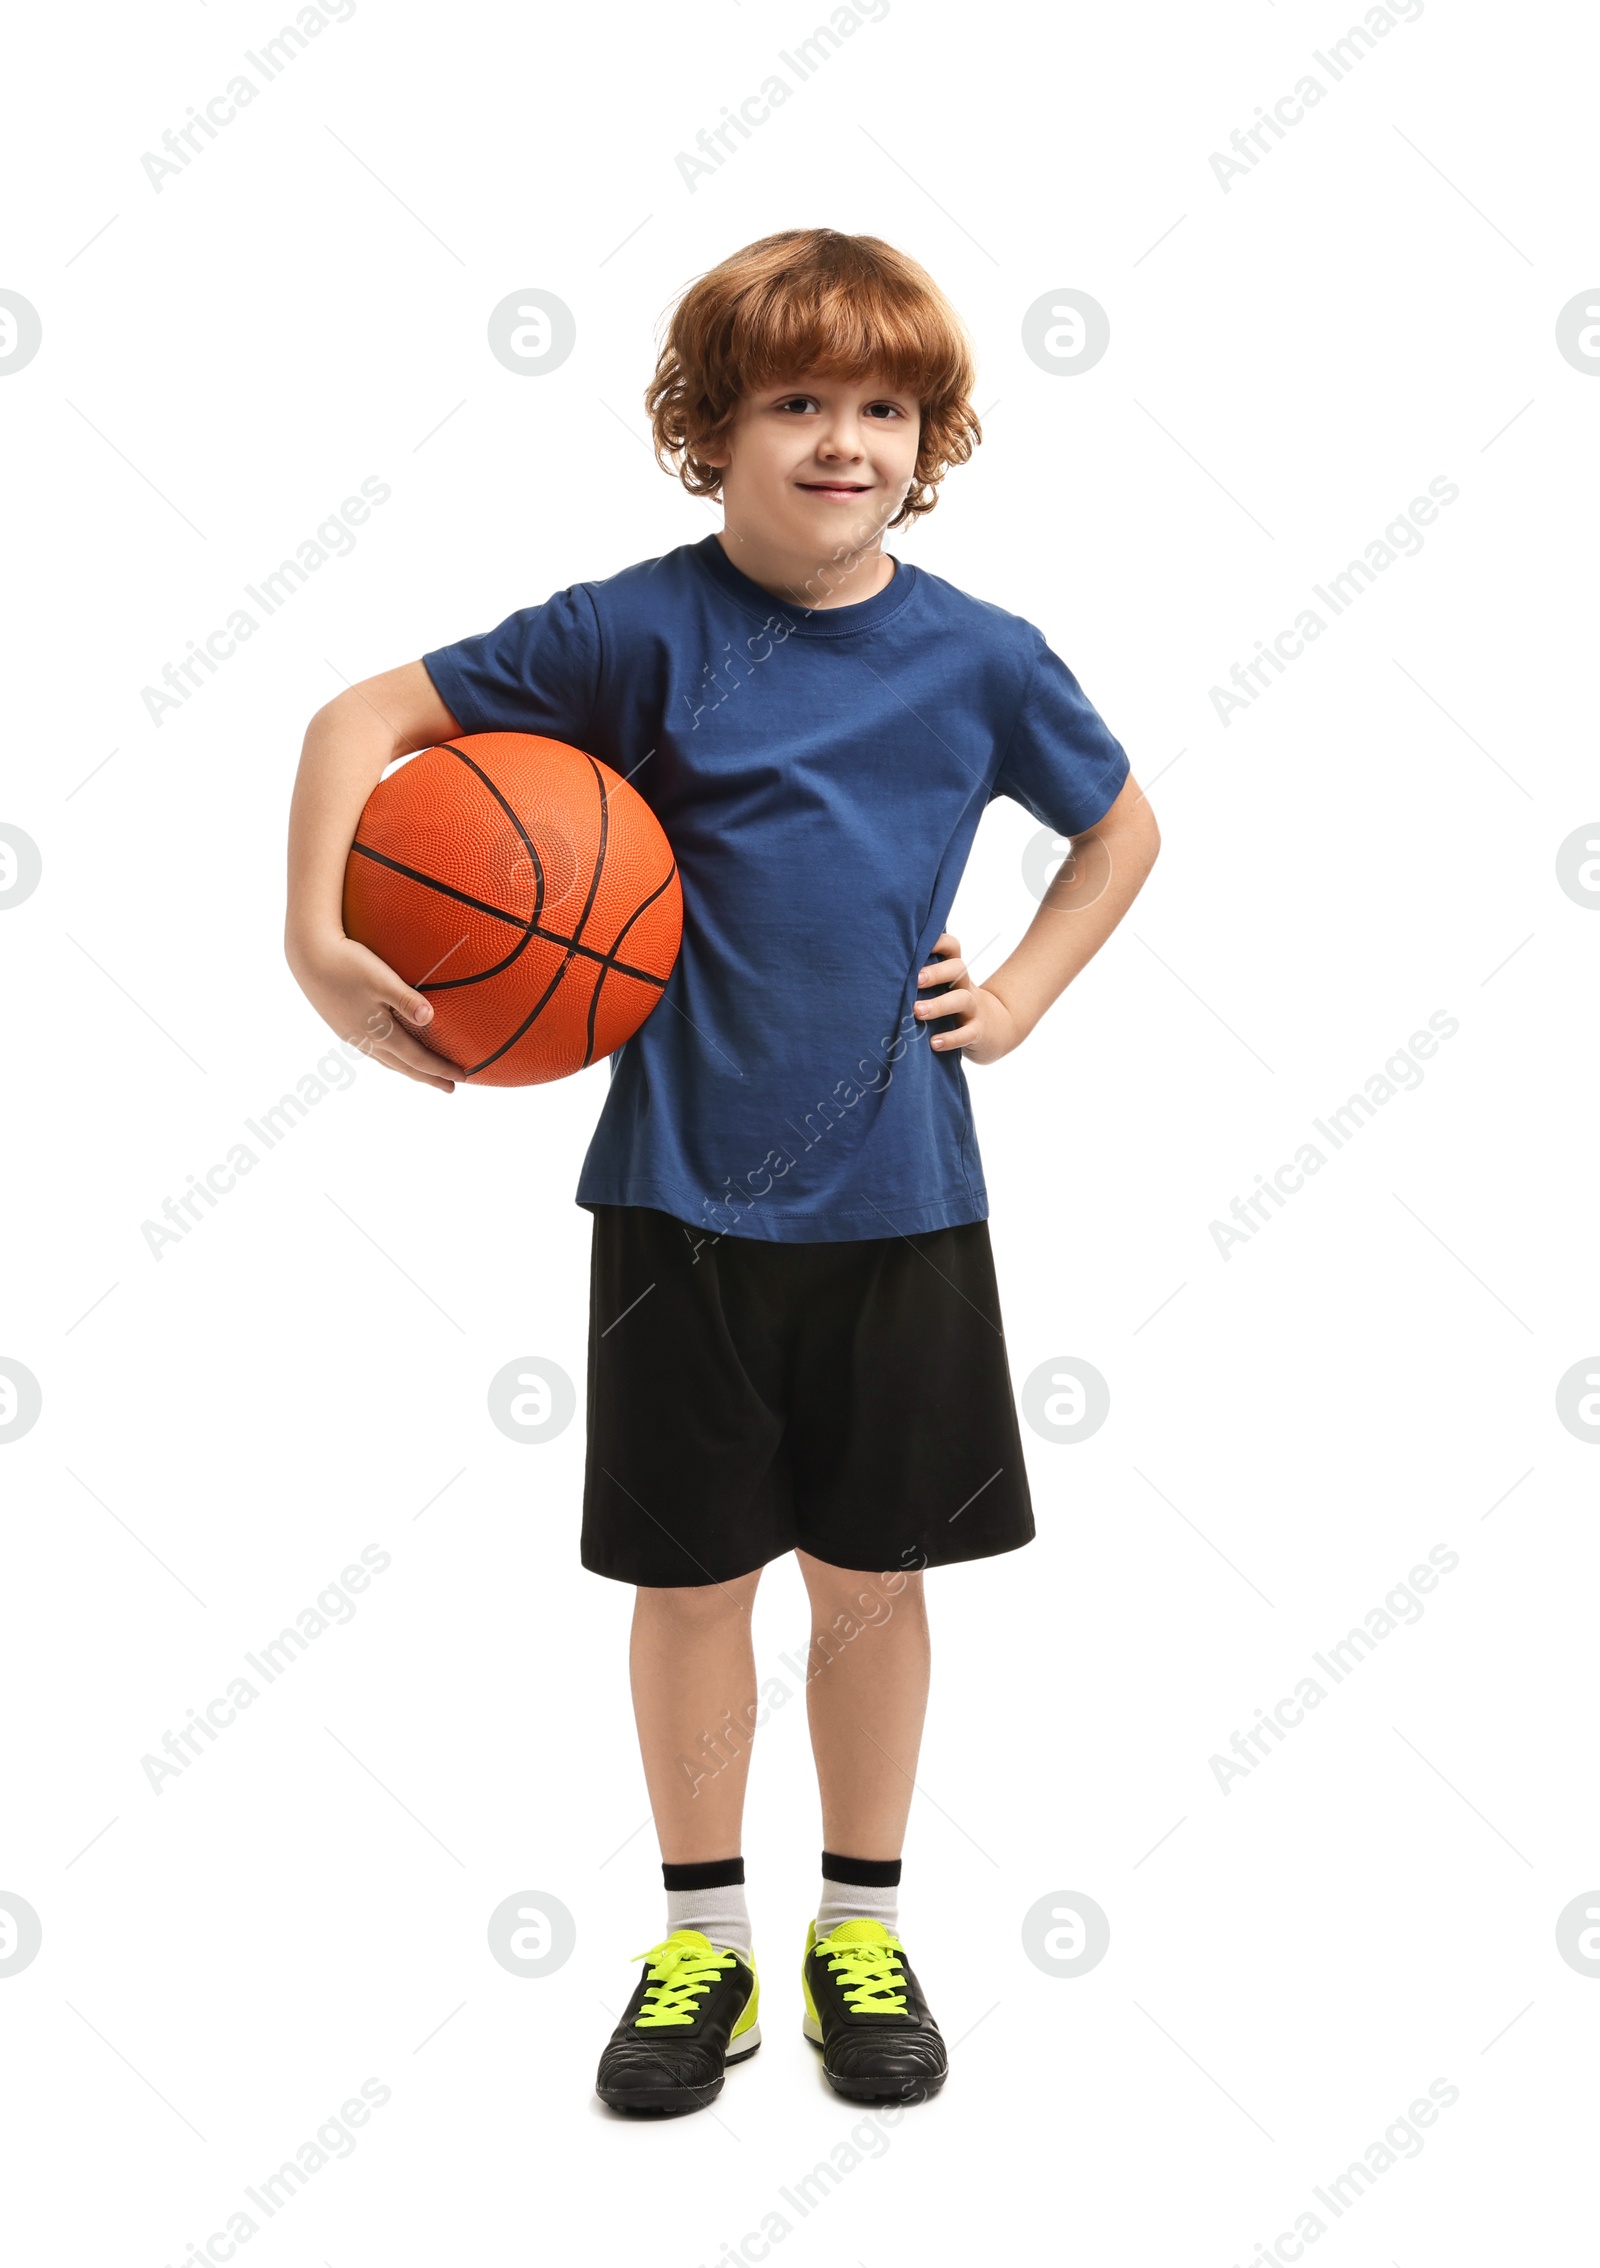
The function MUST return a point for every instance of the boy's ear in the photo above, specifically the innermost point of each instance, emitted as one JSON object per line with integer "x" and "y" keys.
{"x": 720, "y": 457}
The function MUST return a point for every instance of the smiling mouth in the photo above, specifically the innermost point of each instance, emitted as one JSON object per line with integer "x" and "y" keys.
{"x": 837, "y": 487}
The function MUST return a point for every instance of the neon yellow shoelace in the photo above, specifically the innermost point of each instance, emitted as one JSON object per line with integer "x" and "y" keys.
{"x": 678, "y": 1973}
{"x": 868, "y": 1976}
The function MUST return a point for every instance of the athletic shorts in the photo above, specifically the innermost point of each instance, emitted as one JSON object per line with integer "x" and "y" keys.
{"x": 746, "y": 1399}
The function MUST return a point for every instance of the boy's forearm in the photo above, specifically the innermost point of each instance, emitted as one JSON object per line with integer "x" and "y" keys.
{"x": 347, "y": 746}
{"x": 345, "y": 751}
{"x": 1088, "y": 896}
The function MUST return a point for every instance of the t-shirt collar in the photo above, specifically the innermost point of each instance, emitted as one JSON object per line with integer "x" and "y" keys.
{"x": 812, "y": 622}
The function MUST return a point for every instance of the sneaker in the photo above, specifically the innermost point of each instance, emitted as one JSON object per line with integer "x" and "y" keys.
{"x": 692, "y": 2014}
{"x": 865, "y": 2011}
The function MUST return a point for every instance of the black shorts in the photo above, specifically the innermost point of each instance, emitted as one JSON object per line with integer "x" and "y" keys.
{"x": 745, "y": 1398}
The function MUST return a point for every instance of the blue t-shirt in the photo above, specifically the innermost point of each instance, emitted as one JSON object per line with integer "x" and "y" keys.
{"x": 820, "y": 775}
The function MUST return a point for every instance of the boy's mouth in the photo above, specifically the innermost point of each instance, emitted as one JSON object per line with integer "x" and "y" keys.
{"x": 835, "y": 487}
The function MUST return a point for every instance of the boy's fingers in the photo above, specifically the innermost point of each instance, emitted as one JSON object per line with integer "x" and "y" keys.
{"x": 958, "y": 1002}
{"x": 386, "y": 1021}
{"x": 424, "y": 1077}
{"x": 394, "y": 1045}
{"x": 418, "y": 1059}
{"x": 401, "y": 1011}
{"x": 391, "y": 993}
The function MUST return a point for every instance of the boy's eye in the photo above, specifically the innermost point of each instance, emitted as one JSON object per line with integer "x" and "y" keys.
{"x": 808, "y": 401}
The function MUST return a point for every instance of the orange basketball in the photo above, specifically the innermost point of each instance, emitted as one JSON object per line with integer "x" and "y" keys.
{"x": 528, "y": 891}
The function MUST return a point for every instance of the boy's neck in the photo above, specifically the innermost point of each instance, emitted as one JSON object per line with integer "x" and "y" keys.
{"x": 811, "y": 583}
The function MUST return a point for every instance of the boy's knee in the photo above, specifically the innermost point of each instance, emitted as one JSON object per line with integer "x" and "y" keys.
{"x": 698, "y": 1606}
{"x": 858, "y": 1594}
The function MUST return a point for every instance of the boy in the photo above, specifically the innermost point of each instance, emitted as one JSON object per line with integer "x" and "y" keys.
{"x": 794, "y": 1330}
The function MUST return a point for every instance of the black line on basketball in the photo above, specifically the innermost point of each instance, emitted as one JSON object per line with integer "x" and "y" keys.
{"x": 455, "y": 984}
{"x": 446, "y": 889}
{"x": 481, "y": 905}
{"x": 600, "y": 854}
{"x": 530, "y": 928}
{"x": 588, "y": 908}
{"x": 527, "y": 840}
{"x": 610, "y": 960}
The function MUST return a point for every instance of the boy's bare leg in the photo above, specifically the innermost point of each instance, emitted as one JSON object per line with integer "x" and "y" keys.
{"x": 694, "y": 1695}
{"x": 865, "y": 1702}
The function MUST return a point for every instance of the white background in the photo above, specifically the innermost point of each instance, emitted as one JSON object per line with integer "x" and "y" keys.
{"x": 1373, "y": 1374}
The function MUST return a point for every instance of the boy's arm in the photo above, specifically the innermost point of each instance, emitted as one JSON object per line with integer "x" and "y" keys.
{"x": 347, "y": 746}
{"x": 1089, "y": 895}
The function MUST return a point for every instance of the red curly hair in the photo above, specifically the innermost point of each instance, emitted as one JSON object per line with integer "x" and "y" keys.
{"x": 813, "y": 301}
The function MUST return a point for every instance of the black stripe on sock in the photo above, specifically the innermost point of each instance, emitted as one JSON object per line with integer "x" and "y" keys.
{"x": 867, "y": 1873}
{"x": 706, "y": 1874}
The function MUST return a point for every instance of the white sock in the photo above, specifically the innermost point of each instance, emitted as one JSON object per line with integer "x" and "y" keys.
{"x": 857, "y": 1901}
{"x": 719, "y": 1914}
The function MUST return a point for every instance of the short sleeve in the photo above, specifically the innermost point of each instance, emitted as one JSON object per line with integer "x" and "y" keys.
{"x": 1062, "y": 762}
{"x": 538, "y": 672}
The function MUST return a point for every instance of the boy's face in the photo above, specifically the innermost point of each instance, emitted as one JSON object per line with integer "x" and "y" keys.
{"x": 812, "y": 463}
